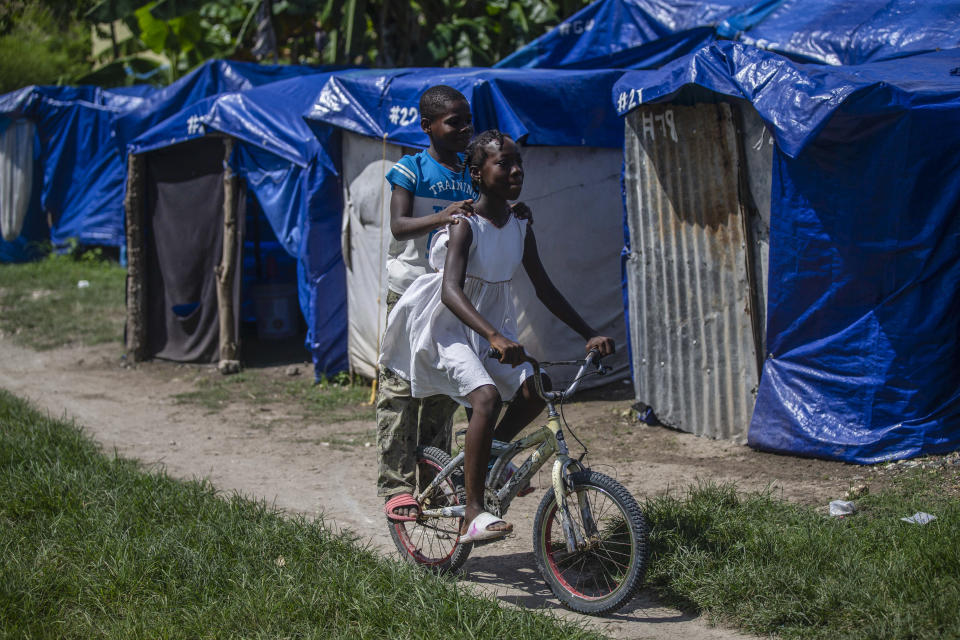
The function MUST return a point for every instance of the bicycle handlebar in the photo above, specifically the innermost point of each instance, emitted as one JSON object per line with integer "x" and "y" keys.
{"x": 593, "y": 356}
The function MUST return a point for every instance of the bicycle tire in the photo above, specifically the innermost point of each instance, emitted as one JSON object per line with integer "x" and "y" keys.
{"x": 433, "y": 542}
{"x": 617, "y": 551}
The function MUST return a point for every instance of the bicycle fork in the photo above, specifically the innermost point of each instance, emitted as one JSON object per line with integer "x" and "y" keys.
{"x": 563, "y": 466}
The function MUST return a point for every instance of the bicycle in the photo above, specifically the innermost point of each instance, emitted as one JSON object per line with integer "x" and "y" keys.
{"x": 593, "y": 556}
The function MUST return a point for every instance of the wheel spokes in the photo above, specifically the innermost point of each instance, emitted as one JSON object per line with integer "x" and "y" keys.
{"x": 432, "y": 540}
{"x": 599, "y": 567}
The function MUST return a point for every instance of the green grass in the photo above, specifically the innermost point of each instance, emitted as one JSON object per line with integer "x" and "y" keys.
{"x": 92, "y": 546}
{"x": 42, "y": 307}
{"x": 773, "y": 567}
{"x": 328, "y": 401}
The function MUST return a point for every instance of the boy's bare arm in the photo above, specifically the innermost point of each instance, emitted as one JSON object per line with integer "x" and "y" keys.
{"x": 553, "y": 300}
{"x": 453, "y": 297}
{"x": 404, "y": 226}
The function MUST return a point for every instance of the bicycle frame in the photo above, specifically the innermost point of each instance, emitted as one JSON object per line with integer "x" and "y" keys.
{"x": 548, "y": 441}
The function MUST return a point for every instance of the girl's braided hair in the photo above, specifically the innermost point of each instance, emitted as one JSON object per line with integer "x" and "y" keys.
{"x": 477, "y": 149}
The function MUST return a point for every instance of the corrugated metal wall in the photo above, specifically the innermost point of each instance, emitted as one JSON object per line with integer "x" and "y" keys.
{"x": 690, "y": 273}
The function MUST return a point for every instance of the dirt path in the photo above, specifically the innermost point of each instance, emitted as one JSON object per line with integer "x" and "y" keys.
{"x": 305, "y": 467}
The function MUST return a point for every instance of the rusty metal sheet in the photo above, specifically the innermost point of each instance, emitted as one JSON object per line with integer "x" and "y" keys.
{"x": 690, "y": 273}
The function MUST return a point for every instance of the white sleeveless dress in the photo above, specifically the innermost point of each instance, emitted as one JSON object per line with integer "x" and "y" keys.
{"x": 428, "y": 345}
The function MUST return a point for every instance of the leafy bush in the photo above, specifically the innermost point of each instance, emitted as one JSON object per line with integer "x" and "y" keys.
{"x": 37, "y": 48}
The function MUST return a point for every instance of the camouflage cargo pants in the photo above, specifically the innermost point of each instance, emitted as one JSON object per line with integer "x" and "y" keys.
{"x": 403, "y": 423}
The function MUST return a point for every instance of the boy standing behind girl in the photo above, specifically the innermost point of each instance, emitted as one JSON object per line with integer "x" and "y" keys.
{"x": 428, "y": 190}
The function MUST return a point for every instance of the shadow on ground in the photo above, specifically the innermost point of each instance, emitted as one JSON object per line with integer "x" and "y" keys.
{"x": 516, "y": 580}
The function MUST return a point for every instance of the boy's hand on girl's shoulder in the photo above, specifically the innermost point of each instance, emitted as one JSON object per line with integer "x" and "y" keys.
{"x": 603, "y": 344}
{"x": 522, "y": 211}
{"x": 461, "y": 208}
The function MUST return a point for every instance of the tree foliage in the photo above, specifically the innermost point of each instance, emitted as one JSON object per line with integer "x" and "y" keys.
{"x": 41, "y": 42}
{"x": 439, "y": 32}
{"x": 49, "y": 40}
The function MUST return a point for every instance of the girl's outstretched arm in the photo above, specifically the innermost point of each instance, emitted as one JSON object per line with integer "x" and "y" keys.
{"x": 553, "y": 300}
{"x": 452, "y": 295}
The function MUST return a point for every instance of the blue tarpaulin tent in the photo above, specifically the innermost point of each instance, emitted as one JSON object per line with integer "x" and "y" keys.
{"x": 82, "y": 182}
{"x": 624, "y": 34}
{"x": 294, "y": 177}
{"x": 851, "y": 32}
{"x": 645, "y": 34}
{"x": 209, "y": 79}
{"x": 83, "y": 132}
{"x": 862, "y": 330}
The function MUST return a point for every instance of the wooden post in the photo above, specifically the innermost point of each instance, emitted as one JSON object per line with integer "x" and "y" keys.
{"x": 136, "y": 275}
{"x": 226, "y": 271}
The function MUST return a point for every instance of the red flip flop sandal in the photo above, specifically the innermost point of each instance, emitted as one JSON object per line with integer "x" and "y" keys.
{"x": 401, "y": 500}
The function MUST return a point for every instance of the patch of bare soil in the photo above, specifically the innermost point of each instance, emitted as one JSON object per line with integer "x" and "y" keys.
{"x": 329, "y": 469}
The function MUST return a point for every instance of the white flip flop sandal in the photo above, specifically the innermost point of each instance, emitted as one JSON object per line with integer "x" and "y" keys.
{"x": 477, "y": 531}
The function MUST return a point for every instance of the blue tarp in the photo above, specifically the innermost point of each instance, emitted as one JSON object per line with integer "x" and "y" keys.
{"x": 847, "y": 32}
{"x": 796, "y": 100}
{"x": 645, "y": 34}
{"x": 295, "y": 178}
{"x": 83, "y": 175}
{"x": 83, "y": 133}
{"x": 538, "y": 106}
{"x": 639, "y": 34}
{"x": 864, "y": 276}
{"x": 209, "y": 79}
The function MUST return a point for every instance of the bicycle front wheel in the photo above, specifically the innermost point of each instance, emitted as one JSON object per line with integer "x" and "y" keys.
{"x": 434, "y": 542}
{"x": 607, "y": 567}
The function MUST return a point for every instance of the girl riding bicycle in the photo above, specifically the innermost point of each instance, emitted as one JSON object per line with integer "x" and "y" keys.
{"x": 439, "y": 333}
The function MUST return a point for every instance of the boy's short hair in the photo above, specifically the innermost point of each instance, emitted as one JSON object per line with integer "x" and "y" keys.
{"x": 434, "y": 100}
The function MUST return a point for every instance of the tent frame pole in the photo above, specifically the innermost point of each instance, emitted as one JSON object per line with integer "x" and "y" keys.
{"x": 136, "y": 275}
{"x": 749, "y": 211}
{"x": 227, "y": 269}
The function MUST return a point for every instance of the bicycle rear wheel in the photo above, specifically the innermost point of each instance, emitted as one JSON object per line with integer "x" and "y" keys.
{"x": 433, "y": 542}
{"x": 607, "y": 568}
